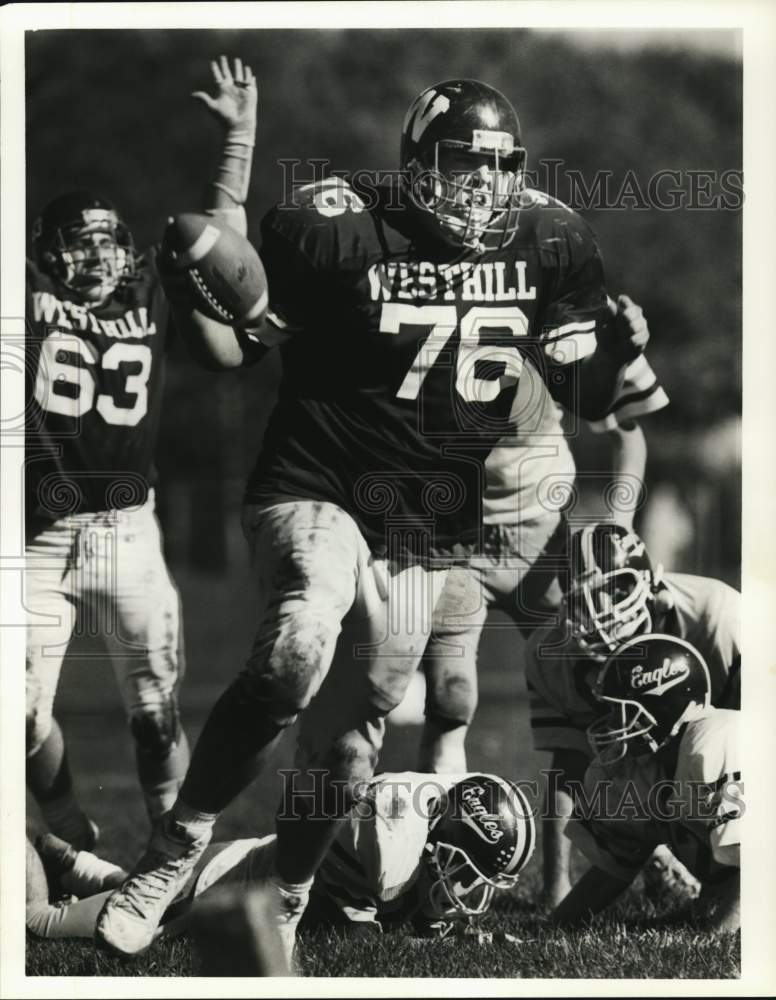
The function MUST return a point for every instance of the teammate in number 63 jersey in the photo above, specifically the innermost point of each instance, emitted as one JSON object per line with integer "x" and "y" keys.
{"x": 97, "y": 328}
{"x": 406, "y": 314}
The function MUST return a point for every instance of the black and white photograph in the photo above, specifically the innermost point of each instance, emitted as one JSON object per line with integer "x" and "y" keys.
{"x": 378, "y": 453}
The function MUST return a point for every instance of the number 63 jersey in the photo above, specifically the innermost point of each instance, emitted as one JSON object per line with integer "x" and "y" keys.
{"x": 404, "y": 358}
{"x": 94, "y": 388}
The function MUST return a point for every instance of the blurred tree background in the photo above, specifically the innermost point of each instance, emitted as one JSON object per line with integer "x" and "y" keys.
{"x": 111, "y": 111}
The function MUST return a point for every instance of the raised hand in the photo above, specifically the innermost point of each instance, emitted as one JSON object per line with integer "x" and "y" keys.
{"x": 235, "y": 100}
{"x": 626, "y": 334}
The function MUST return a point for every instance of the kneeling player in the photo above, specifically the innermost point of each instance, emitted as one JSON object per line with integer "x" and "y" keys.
{"x": 432, "y": 849}
{"x": 524, "y": 536}
{"x": 615, "y": 594}
{"x": 666, "y": 770}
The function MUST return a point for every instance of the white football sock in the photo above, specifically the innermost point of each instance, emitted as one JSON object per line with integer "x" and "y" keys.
{"x": 289, "y": 901}
{"x": 90, "y": 874}
{"x": 197, "y": 824}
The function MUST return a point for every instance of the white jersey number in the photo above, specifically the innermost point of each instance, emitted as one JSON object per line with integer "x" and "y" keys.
{"x": 475, "y": 388}
{"x": 57, "y": 372}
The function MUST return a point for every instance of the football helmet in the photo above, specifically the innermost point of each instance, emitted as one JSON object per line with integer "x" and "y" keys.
{"x": 654, "y": 683}
{"x": 81, "y": 242}
{"x": 463, "y": 163}
{"x": 613, "y": 589}
{"x": 481, "y": 837}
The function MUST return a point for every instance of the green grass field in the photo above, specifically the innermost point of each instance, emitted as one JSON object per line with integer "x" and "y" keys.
{"x": 632, "y": 941}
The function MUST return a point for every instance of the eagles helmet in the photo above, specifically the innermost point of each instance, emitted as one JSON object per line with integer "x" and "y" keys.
{"x": 481, "y": 838}
{"x": 82, "y": 243}
{"x": 654, "y": 683}
{"x": 613, "y": 588}
{"x": 463, "y": 163}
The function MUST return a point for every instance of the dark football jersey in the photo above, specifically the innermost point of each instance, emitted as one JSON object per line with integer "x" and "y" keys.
{"x": 404, "y": 363}
{"x": 94, "y": 394}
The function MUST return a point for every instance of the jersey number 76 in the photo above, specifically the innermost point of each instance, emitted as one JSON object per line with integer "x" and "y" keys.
{"x": 443, "y": 321}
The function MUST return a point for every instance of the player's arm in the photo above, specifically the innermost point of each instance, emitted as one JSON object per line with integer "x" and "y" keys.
{"x": 568, "y": 766}
{"x": 212, "y": 344}
{"x": 234, "y": 106}
{"x": 628, "y": 464}
{"x": 640, "y": 394}
{"x": 592, "y": 894}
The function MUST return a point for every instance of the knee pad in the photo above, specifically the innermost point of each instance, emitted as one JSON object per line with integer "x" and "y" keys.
{"x": 451, "y": 701}
{"x": 156, "y": 729}
{"x": 352, "y": 758}
{"x": 285, "y": 676}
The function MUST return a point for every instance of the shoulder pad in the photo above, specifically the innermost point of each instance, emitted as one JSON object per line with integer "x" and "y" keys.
{"x": 325, "y": 221}
{"x": 557, "y": 226}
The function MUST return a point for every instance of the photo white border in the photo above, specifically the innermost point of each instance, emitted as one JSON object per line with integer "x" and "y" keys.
{"x": 758, "y": 21}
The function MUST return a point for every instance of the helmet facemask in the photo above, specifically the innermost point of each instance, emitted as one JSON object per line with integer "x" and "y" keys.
{"x": 627, "y": 729}
{"x": 91, "y": 258}
{"x": 458, "y": 889}
{"x": 472, "y": 192}
{"x": 603, "y": 610}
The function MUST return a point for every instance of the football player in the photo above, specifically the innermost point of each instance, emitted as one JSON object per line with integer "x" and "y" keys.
{"x": 417, "y": 847}
{"x": 666, "y": 770}
{"x": 615, "y": 593}
{"x": 523, "y": 538}
{"x": 405, "y": 320}
{"x": 97, "y": 322}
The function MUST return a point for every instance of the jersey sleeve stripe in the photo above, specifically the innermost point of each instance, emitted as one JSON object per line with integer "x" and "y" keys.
{"x": 638, "y": 374}
{"x": 724, "y": 818}
{"x": 635, "y": 405}
{"x": 727, "y": 779}
{"x": 560, "y": 332}
{"x": 574, "y": 347}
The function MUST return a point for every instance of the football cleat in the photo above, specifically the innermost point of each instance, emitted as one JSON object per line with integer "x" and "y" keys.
{"x": 81, "y": 242}
{"x": 481, "y": 838}
{"x": 128, "y": 921}
{"x": 463, "y": 163}
{"x": 654, "y": 684}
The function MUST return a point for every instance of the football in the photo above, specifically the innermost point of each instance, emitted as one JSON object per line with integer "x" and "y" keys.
{"x": 224, "y": 271}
